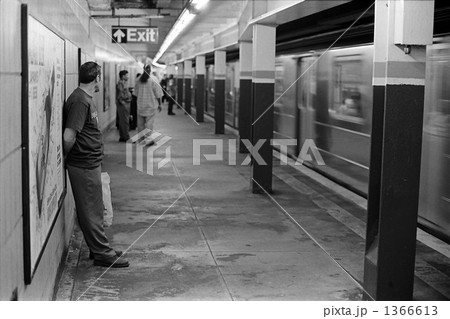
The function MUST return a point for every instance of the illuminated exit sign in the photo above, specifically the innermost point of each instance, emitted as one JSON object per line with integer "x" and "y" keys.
{"x": 134, "y": 35}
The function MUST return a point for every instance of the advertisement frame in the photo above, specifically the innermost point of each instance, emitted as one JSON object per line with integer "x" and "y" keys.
{"x": 30, "y": 263}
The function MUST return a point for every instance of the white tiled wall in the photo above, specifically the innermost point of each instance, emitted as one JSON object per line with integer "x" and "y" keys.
{"x": 11, "y": 261}
{"x": 69, "y": 21}
{"x": 71, "y": 67}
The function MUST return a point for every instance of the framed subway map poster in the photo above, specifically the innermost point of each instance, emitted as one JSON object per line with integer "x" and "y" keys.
{"x": 42, "y": 161}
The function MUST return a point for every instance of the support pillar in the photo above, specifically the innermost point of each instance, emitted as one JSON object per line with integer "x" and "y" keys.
{"x": 180, "y": 81}
{"x": 398, "y": 102}
{"x": 187, "y": 85}
{"x": 171, "y": 70}
{"x": 200, "y": 71}
{"x": 245, "y": 94}
{"x": 263, "y": 97}
{"x": 219, "y": 76}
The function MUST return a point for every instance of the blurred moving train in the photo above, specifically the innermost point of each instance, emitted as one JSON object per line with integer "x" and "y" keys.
{"x": 332, "y": 103}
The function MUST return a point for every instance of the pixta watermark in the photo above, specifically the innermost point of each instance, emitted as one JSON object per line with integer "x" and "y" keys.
{"x": 141, "y": 148}
{"x": 309, "y": 151}
{"x": 141, "y": 151}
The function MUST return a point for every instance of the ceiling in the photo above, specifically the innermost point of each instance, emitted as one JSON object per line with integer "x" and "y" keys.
{"x": 220, "y": 24}
{"x": 216, "y": 16}
{"x": 143, "y": 13}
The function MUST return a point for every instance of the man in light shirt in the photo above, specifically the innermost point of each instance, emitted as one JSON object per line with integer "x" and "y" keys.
{"x": 149, "y": 94}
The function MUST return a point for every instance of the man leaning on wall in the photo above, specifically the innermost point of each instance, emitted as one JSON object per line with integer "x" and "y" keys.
{"x": 83, "y": 149}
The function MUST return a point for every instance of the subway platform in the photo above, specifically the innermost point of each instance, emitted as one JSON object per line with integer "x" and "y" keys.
{"x": 197, "y": 232}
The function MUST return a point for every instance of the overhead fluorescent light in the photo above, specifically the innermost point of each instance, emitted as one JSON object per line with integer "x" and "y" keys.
{"x": 199, "y": 4}
{"x": 162, "y": 66}
{"x": 185, "y": 18}
{"x": 129, "y": 16}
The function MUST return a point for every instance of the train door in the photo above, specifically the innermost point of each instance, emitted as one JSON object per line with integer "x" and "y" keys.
{"x": 193, "y": 86}
{"x": 236, "y": 94}
{"x": 206, "y": 88}
{"x": 285, "y": 125}
{"x": 305, "y": 99}
{"x": 211, "y": 93}
{"x": 434, "y": 200}
{"x": 229, "y": 95}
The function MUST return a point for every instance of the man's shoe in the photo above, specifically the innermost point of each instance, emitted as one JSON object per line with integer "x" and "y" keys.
{"x": 118, "y": 254}
{"x": 113, "y": 262}
{"x": 123, "y": 139}
{"x": 171, "y": 113}
{"x": 151, "y": 143}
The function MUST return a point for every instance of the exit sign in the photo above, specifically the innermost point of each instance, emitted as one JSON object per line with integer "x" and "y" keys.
{"x": 134, "y": 35}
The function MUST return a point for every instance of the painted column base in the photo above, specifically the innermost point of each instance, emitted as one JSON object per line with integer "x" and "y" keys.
{"x": 245, "y": 113}
{"x": 262, "y": 129}
{"x": 187, "y": 95}
{"x": 200, "y": 98}
{"x": 393, "y": 192}
{"x": 180, "y": 92}
{"x": 219, "y": 112}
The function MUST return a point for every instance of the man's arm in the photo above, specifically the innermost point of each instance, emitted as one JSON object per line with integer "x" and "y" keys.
{"x": 69, "y": 139}
{"x": 158, "y": 93}
{"x": 123, "y": 96}
{"x": 159, "y": 105}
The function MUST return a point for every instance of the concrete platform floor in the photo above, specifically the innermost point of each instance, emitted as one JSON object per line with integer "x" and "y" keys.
{"x": 198, "y": 233}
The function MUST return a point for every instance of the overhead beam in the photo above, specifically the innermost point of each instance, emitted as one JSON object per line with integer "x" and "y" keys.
{"x": 204, "y": 45}
{"x": 278, "y": 12}
{"x": 130, "y": 16}
{"x": 99, "y": 5}
{"x": 256, "y": 12}
{"x": 134, "y": 4}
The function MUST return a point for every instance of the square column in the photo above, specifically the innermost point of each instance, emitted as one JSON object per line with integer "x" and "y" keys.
{"x": 245, "y": 94}
{"x": 219, "y": 76}
{"x": 187, "y": 85}
{"x": 200, "y": 71}
{"x": 263, "y": 97}
{"x": 396, "y": 142}
{"x": 171, "y": 70}
{"x": 180, "y": 81}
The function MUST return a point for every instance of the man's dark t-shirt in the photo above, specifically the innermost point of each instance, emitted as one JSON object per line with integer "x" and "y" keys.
{"x": 81, "y": 115}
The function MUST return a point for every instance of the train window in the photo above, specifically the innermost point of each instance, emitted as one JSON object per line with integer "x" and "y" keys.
{"x": 210, "y": 94}
{"x": 347, "y": 99}
{"x": 437, "y": 96}
{"x": 229, "y": 95}
{"x": 307, "y": 82}
{"x": 211, "y": 79}
{"x": 279, "y": 85}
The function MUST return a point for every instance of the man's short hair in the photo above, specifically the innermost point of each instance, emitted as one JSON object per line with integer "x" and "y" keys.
{"x": 89, "y": 71}
{"x": 122, "y": 73}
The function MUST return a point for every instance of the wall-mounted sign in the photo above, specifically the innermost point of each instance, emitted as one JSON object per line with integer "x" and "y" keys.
{"x": 134, "y": 35}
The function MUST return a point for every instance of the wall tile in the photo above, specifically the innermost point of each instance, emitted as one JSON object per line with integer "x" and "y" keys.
{"x": 10, "y": 194}
{"x": 10, "y": 41}
{"x": 10, "y": 110}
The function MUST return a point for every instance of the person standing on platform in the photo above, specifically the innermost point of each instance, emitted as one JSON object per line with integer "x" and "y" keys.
{"x": 149, "y": 94}
{"x": 164, "y": 88}
{"x": 133, "y": 109}
{"x": 123, "y": 100}
{"x": 171, "y": 94}
{"x": 83, "y": 150}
